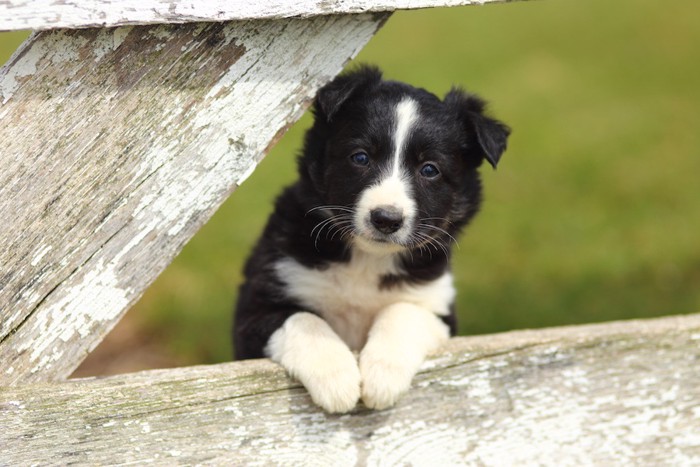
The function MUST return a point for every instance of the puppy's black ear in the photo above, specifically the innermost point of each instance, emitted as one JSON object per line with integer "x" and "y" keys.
{"x": 491, "y": 134}
{"x": 332, "y": 96}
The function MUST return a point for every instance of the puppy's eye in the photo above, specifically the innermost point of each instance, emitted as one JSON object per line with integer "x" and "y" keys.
{"x": 429, "y": 171}
{"x": 360, "y": 158}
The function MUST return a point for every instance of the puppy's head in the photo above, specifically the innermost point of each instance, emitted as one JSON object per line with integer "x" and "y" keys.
{"x": 396, "y": 164}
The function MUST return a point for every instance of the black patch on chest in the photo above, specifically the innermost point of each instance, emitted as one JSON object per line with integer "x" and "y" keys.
{"x": 392, "y": 281}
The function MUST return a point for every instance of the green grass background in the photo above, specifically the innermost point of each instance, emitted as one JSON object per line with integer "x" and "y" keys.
{"x": 594, "y": 212}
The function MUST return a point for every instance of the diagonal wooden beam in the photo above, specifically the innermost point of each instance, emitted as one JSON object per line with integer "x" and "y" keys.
{"x": 118, "y": 144}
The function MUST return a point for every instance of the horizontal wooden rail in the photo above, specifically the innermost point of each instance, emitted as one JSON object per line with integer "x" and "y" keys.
{"x": 624, "y": 393}
{"x": 38, "y": 15}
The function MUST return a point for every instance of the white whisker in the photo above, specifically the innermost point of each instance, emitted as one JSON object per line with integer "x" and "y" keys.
{"x": 441, "y": 230}
{"x": 330, "y": 208}
{"x": 433, "y": 242}
{"x": 324, "y": 223}
{"x": 333, "y": 224}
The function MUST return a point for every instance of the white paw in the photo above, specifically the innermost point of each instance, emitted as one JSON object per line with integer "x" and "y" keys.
{"x": 312, "y": 353}
{"x": 334, "y": 385}
{"x": 383, "y": 381}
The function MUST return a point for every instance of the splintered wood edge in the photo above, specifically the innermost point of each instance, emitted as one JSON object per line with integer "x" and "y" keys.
{"x": 614, "y": 393}
{"x": 20, "y": 14}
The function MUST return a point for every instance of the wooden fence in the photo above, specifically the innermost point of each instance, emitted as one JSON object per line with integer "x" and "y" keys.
{"x": 124, "y": 126}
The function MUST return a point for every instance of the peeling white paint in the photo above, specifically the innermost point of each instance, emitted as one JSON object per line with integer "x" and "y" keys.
{"x": 40, "y": 253}
{"x": 240, "y": 105}
{"x": 84, "y": 13}
{"x": 24, "y": 66}
{"x": 182, "y": 176}
{"x": 575, "y": 377}
{"x": 238, "y": 432}
{"x": 97, "y": 298}
{"x": 458, "y": 382}
{"x": 434, "y": 362}
{"x": 249, "y": 171}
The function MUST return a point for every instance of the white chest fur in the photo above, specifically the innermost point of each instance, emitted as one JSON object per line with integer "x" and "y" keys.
{"x": 348, "y": 295}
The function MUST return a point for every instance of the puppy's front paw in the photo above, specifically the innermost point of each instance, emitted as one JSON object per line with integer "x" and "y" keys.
{"x": 312, "y": 353}
{"x": 334, "y": 381}
{"x": 383, "y": 381}
{"x": 335, "y": 391}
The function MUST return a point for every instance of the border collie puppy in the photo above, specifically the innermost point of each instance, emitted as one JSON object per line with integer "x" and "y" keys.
{"x": 349, "y": 288}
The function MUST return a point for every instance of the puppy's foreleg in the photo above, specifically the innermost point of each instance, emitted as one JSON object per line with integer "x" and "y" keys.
{"x": 401, "y": 337}
{"x": 312, "y": 352}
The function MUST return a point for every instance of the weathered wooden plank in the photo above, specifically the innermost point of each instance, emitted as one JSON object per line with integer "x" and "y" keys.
{"x": 624, "y": 393}
{"x": 118, "y": 144}
{"x": 37, "y": 14}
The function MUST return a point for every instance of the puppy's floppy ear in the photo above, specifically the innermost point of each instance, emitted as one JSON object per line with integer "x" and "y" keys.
{"x": 332, "y": 96}
{"x": 491, "y": 134}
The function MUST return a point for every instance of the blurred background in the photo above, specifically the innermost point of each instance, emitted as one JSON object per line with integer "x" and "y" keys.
{"x": 593, "y": 214}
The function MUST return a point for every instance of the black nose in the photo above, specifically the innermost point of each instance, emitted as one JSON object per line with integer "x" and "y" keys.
{"x": 386, "y": 219}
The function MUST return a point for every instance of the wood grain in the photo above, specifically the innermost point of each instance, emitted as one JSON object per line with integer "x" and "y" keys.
{"x": 624, "y": 393}
{"x": 118, "y": 144}
{"x": 43, "y": 14}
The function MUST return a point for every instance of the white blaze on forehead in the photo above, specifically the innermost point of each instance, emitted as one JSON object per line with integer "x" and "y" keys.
{"x": 394, "y": 188}
{"x": 406, "y": 115}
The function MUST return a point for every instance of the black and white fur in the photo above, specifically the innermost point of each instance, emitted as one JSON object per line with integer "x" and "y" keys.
{"x": 355, "y": 257}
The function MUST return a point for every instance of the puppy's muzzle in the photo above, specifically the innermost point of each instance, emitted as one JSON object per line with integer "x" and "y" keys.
{"x": 386, "y": 219}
